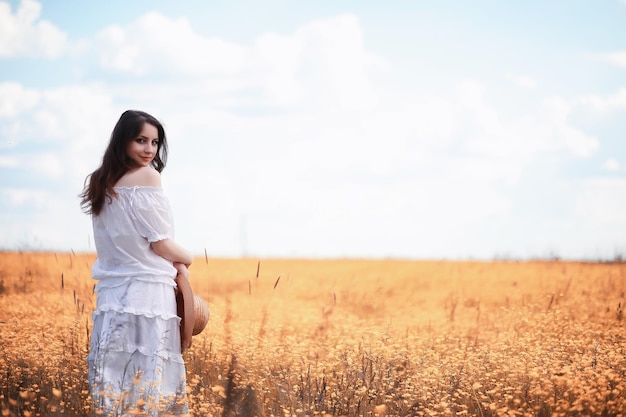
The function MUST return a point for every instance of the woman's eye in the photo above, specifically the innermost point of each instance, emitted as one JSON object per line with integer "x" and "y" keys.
{"x": 155, "y": 143}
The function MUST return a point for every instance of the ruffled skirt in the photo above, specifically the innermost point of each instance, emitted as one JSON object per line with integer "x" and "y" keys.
{"x": 135, "y": 362}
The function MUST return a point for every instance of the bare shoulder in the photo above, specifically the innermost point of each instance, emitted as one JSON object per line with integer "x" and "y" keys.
{"x": 143, "y": 176}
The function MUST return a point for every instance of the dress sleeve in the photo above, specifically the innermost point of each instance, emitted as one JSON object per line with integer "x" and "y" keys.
{"x": 152, "y": 216}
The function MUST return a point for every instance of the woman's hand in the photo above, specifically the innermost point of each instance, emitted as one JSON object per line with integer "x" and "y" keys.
{"x": 182, "y": 269}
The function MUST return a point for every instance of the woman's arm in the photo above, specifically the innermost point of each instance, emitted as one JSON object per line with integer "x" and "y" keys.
{"x": 172, "y": 251}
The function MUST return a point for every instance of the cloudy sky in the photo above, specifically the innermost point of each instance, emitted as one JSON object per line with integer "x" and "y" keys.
{"x": 414, "y": 129}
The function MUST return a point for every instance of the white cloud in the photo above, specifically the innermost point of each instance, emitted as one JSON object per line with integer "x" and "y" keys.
{"x": 156, "y": 44}
{"x": 20, "y": 197}
{"x": 8, "y": 162}
{"x": 604, "y": 104}
{"x": 555, "y": 111}
{"x": 24, "y": 34}
{"x": 49, "y": 164}
{"x": 334, "y": 57}
{"x": 274, "y": 63}
{"x": 615, "y": 58}
{"x": 323, "y": 64}
{"x": 14, "y": 99}
{"x": 62, "y": 130}
{"x": 599, "y": 209}
{"x": 524, "y": 81}
{"x": 464, "y": 121}
{"x": 323, "y": 57}
{"x": 612, "y": 165}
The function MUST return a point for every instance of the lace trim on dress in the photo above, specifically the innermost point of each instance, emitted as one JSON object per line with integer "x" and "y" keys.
{"x": 123, "y": 332}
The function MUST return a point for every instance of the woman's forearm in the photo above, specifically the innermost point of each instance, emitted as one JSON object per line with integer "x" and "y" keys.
{"x": 172, "y": 251}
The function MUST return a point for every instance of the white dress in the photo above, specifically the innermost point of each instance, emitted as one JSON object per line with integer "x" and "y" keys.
{"x": 135, "y": 362}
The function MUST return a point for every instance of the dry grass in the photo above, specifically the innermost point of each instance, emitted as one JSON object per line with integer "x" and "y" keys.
{"x": 343, "y": 337}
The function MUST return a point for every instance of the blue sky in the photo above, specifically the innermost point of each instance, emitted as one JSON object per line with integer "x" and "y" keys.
{"x": 430, "y": 129}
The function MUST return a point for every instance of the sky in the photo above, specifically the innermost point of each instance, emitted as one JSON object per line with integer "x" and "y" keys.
{"x": 401, "y": 129}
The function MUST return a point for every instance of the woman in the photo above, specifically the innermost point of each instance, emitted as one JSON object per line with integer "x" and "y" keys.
{"x": 135, "y": 360}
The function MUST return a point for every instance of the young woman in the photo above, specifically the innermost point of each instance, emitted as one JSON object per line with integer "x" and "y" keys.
{"x": 135, "y": 360}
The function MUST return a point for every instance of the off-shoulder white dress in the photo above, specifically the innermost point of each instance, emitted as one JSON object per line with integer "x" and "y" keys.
{"x": 135, "y": 362}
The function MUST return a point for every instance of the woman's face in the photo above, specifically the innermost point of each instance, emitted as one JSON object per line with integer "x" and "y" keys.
{"x": 143, "y": 148}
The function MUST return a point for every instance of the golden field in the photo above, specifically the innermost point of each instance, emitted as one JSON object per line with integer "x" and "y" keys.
{"x": 343, "y": 337}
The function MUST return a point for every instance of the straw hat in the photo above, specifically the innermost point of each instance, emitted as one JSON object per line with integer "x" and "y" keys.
{"x": 192, "y": 310}
{"x": 201, "y": 314}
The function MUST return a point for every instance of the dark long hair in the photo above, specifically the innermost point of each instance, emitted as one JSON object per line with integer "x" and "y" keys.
{"x": 115, "y": 162}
